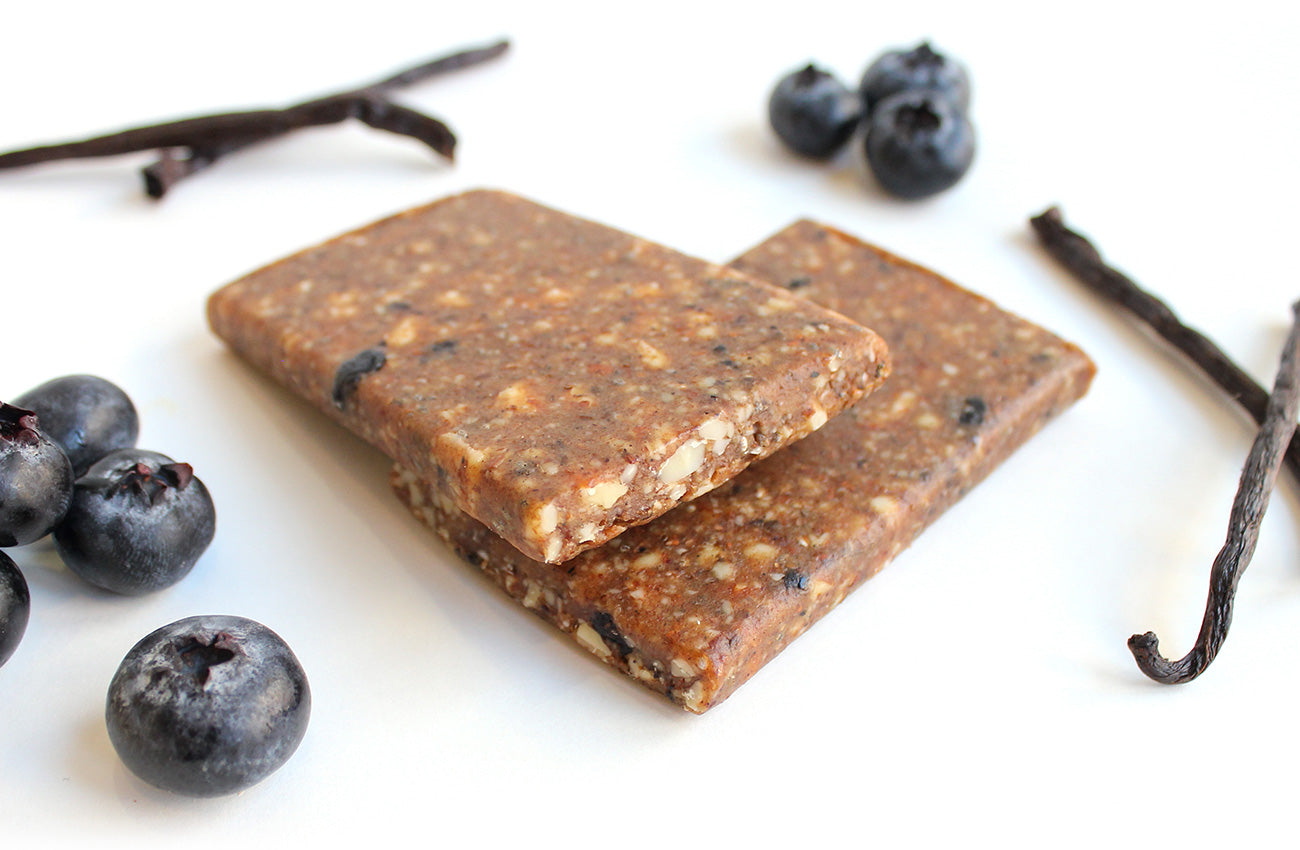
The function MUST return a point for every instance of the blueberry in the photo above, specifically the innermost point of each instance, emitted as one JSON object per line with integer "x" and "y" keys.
{"x": 35, "y": 478}
{"x": 15, "y": 605}
{"x": 813, "y": 112}
{"x": 922, "y": 67}
{"x": 137, "y": 523}
{"x": 918, "y": 144}
{"x": 88, "y": 416}
{"x": 208, "y": 706}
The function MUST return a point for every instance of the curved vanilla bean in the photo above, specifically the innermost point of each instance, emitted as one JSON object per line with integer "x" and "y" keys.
{"x": 1085, "y": 262}
{"x": 1257, "y": 479}
{"x": 170, "y": 168}
{"x": 191, "y": 144}
{"x": 394, "y": 118}
{"x": 235, "y": 127}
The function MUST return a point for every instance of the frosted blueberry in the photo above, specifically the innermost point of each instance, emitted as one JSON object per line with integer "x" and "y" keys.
{"x": 208, "y": 705}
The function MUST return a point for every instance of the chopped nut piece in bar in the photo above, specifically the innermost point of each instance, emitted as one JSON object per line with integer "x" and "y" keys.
{"x": 561, "y": 380}
{"x": 694, "y": 603}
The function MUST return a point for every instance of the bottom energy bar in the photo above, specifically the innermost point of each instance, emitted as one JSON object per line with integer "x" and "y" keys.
{"x": 694, "y": 603}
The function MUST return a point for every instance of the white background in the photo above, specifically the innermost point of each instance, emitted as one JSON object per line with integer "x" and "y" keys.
{"x": 979, "y": 689}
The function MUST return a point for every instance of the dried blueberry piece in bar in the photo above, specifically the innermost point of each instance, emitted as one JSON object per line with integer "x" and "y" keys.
{"x": 352, "y": 371}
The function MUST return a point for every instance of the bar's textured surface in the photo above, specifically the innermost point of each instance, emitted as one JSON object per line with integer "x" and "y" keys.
{"x": 560, "y": 380}
{"x": 694, "y": 603}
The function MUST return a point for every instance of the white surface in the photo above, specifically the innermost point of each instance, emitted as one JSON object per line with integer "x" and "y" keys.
{"x": 979, "y": 688}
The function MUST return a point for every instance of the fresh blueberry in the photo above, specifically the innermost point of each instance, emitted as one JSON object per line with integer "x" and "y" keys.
{"x": 922, "y": 67}
{"x": 88, "y": 416}
{"x": 208, "y": 706}
{"x": 15, "y": 606}
{"x": 813, "y": 112}
{"x": 918, "y": 144}
{"x": 137, "y": 523}
{"x": 35, "y": 478}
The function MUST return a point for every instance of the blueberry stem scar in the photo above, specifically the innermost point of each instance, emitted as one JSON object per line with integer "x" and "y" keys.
{"x": 150, "y": 485}
{"x": 199, "y": 658}
{"x": 1082, "y": 259}
{"x": 1257, "y": 479}
{"x": 17, "y": 424}
{"x": 190, "y": 145}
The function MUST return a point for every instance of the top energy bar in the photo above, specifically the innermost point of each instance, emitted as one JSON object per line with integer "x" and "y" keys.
{"x": 560, "y": 380}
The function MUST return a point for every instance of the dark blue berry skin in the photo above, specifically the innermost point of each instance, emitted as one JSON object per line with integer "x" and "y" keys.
{"x": 918, "y": 144}
{"x": 15, "y": 606}
{"x": 922, "y": 67}
{"x": 137, "y": 523}
{"x": 813, "y": 113}
{"x": 88, "y": 416}
{"x": 35, "y": 478}
{"x": 208, "y": 706}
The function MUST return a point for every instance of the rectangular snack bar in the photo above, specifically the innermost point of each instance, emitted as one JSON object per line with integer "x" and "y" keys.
{"x": 558, "y": 379}
{"x": 694, "y": 603}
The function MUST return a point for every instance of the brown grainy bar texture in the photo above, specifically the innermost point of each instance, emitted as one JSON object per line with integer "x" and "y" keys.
{"x": 694, "y": 603}
{"x": 561, "y": 380}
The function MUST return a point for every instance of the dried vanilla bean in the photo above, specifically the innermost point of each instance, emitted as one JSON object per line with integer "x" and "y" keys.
{"x": 1257, "y": 479}
{"x": 189, "y": 145}
{"x": 175, "y": 164}
{"x": 1085, "y": 262}
{"x": 434, "y": 67}
{"x": 172, "y": 167}
{"x": 1275, "y": 443}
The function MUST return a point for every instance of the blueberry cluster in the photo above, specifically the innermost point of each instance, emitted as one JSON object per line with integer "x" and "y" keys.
{"x": 204, "y": 706}
{"x": 124, "y": 519}
{"x": 911, "y": 104}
